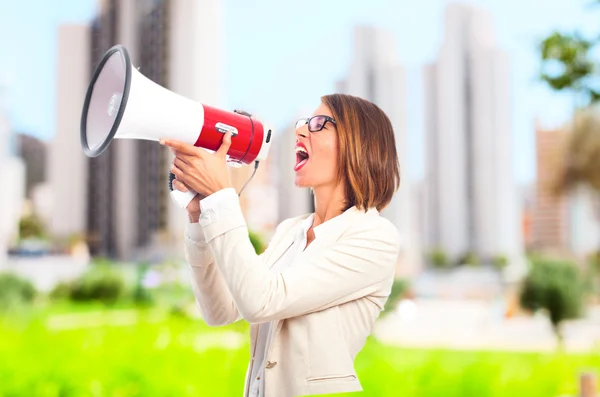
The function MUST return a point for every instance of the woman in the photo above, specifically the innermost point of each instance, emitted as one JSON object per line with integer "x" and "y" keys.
{"x": 312, "y": 297}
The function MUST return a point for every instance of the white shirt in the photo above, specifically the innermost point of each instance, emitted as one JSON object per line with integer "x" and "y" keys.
{"x": 214, "y": 205}
{"x": 264, "y": 330}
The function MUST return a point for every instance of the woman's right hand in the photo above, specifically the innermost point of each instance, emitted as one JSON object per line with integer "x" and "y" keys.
{"x": 193, "y": 208}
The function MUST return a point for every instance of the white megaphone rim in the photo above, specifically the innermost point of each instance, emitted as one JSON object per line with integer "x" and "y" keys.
{"x": 88, "y": 97}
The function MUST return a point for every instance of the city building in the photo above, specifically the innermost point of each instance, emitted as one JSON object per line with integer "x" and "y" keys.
{"x": 12, "y": 175}
{"x": 292, "y": 200}
{"x": 66, "y": 163}
{"x": 471, "y": 192}
{"x": 584, "y": 222}
{"x": 130, "y": 215}
{"x": 561, "y": 222}
{"x": 194, "y": 71}
{"x": 33, "y": 151}
{"x": 550, "y": 227}
{"x": 375, "y": 74}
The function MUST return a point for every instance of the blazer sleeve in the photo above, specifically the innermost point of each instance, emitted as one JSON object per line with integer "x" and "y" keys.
{"x": 211, "y": 292}
{"x": 351, "y": 268}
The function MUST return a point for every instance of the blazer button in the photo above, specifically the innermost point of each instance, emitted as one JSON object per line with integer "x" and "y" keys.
{"x": 271, "y": 364}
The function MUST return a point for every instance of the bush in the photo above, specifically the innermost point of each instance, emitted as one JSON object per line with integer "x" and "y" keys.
{"x": 438, "y": 259}
{"x": 257, "y": 241}
{"x": 500, "y": 261}
{"x": 31, "y": 227}
{"x": 15, "y": 290}
{"x": 468, "y": 259}
{"x": 555, "y": 287}
{"x": 102, "y": 282}
{"x": 399, "y": 288}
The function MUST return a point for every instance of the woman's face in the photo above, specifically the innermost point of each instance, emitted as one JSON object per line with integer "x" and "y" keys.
{"x": 316, "y": 152}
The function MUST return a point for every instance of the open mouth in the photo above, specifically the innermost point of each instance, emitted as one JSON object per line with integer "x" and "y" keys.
{"x": 301, "y": 157}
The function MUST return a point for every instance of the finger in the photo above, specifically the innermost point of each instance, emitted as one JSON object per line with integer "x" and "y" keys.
{"x": 179, "y": 163}
{"x": 188, "y": 158}
{"x": 180, "y": 186}
{"x": 179, "y": 146}
{"x": 179, "y": 174}
{"x": 225, "y": 144}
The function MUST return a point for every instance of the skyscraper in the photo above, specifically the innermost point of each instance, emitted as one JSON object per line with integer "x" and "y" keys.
{"x": 33, "y": 151}
{"x": 12, "y": 177}
{"x": 471, "y": 204}
{"x": 111, "y": 199}
{"x": 564, "y": 222}
{"x": 129, "y": 209}
{"x": 376, "y": 75}
{"x": 194, "y": 70}
{"x": 67, "y": 166}
{"x": 549, "y": 220}
{"x": 292, "y": 200}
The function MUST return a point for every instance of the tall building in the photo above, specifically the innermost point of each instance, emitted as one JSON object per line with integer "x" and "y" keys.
{"x": 130, "y": 212}
{"x": 375, "y": 74}
{"x": 471, "y": 205}
{"x": 292, "y": 200}
{"x": 564, "y": 222}
{"x": 111, "y": 208}
{"x": 66, "y": 164}
{"x": 33, "y": 151}
{"x": 583, "y": 222}
{"x": 194, "y": 71}
{"x": 12, "y": 175}
{"x": 550, "y": 213}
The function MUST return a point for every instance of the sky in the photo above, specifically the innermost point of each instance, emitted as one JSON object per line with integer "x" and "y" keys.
{"x": 279, "y": 57}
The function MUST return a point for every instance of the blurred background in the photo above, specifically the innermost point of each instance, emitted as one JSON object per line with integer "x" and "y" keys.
{"x": 494, "y": 104}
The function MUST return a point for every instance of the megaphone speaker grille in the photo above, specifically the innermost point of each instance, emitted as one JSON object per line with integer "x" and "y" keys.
{"x": 105, "y": 101}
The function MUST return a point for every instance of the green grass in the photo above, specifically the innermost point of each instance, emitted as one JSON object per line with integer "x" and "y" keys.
{"x": 127, "y": 352}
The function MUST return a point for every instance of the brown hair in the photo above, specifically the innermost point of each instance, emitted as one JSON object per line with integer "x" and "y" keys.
{"x": 367, "y": 157}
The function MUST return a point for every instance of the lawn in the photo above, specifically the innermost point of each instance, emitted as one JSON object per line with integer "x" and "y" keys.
{"x": 127, "y": 351}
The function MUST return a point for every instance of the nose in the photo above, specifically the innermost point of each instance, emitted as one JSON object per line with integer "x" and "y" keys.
{"x": 302, "y": 131}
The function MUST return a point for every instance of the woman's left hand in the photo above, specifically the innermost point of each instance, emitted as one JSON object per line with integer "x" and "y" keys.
{"x": 204, "y": 172}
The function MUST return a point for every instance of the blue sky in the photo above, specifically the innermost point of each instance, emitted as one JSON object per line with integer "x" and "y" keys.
{"x": 280, "y": 56}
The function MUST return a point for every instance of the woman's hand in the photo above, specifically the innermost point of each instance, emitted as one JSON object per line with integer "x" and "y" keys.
{"x": 199, "y": 170}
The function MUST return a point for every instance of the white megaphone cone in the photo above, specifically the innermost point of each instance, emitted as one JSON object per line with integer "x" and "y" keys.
{"x": 121, "y": 103}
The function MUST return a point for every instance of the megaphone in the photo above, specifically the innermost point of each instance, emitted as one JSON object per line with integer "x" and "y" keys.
{"x": 122, "y": 103}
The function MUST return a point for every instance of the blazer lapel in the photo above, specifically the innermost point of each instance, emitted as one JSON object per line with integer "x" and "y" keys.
{"x": 281, "y": 246}
{"x": 325, "y": 234}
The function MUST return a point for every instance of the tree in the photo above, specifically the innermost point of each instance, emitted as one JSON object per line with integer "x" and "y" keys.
{"x": 556, "y": 288}
{"x": 568, "y": 65}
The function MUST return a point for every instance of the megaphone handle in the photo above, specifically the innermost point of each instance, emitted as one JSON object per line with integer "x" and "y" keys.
{"x": 182, "y": 199}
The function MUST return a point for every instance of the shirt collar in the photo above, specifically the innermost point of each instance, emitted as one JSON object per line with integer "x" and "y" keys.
{"x": 307, "y": 223}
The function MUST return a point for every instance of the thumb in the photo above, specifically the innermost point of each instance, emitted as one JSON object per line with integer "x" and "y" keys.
{"x": 225, "y": 144}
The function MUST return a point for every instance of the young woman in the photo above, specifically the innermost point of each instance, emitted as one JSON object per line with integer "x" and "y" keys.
{"x": 313, "y": 296}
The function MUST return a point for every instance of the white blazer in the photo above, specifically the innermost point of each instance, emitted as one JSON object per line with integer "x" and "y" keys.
{"x": 324, "y": 305}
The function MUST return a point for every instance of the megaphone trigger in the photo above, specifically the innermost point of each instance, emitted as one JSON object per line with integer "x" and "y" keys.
{"x": 224, "y": 129}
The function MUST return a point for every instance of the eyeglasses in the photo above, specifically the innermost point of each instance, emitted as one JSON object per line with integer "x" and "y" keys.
{"x": 315, "y": 123}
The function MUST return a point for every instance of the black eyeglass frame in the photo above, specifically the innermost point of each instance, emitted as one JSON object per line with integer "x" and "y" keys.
{"x": 307, "y": 121}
